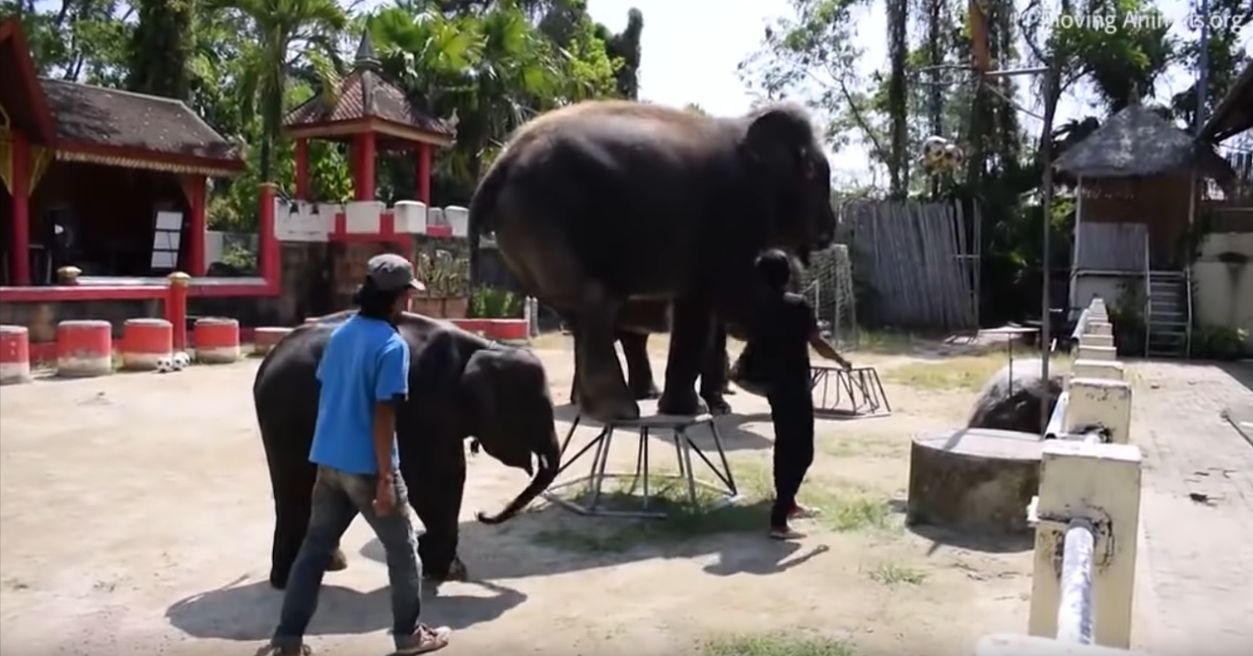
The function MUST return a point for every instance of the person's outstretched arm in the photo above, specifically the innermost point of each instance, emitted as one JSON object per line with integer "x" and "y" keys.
{"x": 824, "y": 348}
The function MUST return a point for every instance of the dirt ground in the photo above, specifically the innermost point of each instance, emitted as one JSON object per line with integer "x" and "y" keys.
{"x": 137, "y": 519}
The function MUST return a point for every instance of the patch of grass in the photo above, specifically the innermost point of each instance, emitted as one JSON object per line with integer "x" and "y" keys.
{"x": 843, "y": 508}
{"x": 959, "y": 373}
{"x": 860, "y": 445}
{"x": 888, "y": 342}
{"x": 776, "y": 645}
{"x": 892, "y": 574}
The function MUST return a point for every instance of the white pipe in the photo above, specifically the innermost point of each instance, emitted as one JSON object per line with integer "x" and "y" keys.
{"x": 1074, "y": 610}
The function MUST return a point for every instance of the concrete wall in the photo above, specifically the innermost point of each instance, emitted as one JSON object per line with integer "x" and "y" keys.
{"x": 1223, "y": 293}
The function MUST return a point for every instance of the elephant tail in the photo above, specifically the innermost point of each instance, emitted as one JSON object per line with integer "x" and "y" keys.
{"x": 548, "y": 466}
{"x": 483, "y": 208}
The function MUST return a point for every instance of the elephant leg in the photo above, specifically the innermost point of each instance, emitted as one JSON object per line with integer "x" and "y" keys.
{"x": 436, "y": 476}
{"x": 639, "y": 369}
{"x": 603, "y": 392}
{"x": 689, "y": 341}
{"x": 713, "y": 374}
{"x": 293, "y": 489}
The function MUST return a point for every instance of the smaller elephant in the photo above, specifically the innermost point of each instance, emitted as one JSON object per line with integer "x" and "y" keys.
{"x": 460, "y": 386}
{"x": 997, "y": 407}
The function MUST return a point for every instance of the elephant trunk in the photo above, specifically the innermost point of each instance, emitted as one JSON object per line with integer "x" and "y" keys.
{"x": 548, "y": 466}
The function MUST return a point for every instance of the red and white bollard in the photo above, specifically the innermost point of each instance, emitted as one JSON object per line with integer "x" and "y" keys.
{"x": 84, "y": 348}
{"x": 216, "y": 340}
{"x": 264, "y": 339}
{"x": 14, "y": 355}
{"x": 145, "y": 342}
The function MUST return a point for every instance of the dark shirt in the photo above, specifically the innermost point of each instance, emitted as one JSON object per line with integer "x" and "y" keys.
{"x": 779, "y": 340}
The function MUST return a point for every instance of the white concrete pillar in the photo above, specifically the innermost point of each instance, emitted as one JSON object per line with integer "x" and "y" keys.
{"x": 1104, "y": 369}
{"x": 1092, "y": 339}
{"x": 1099, "y": 483}
{"x": 1087, "y": 352}
{"x": 1019, "y": 645}
{"x": 1103, "y": 402}
{"x": 1098, "y": 327}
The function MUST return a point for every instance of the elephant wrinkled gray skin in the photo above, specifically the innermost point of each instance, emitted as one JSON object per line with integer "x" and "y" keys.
{"x": 460, "y": 385}
{"x": 607, "y": 202}
{"x": 998, "y": 408}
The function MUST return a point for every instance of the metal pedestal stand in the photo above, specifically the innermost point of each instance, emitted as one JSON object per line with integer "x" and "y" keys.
{"x": 861, "y": 384}
{"x": 683, "y": 446}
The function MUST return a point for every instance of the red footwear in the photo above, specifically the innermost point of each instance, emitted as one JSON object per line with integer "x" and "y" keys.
{"x": 801, "y": 512}
{"x": 785, "y": 533}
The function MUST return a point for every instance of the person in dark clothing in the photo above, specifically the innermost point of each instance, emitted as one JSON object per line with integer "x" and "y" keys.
{"x": 776, "y": 360}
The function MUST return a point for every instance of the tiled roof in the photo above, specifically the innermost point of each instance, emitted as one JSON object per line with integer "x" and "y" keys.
{"x": 111, "y": 117}
{"x": 366, "y": 94}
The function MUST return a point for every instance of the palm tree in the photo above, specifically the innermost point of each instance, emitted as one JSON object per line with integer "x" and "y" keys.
{"x": 283, "y": 32}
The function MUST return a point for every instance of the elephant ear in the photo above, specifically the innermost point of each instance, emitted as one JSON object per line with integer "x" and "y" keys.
{"x": 779, "y": 139}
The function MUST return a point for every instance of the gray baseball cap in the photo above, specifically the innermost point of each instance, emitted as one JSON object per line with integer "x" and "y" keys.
{"x": 391, "y": 273}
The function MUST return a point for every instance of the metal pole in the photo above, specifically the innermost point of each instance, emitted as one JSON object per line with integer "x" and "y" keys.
{"x": 1074, "y": 608}
{"x": 1202, "y": 74}
{"x": 1046, "y": 157}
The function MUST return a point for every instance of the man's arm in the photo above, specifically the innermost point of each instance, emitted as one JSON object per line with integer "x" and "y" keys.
{"x": 820, "y": 344}
{"x": 384, "y": 435}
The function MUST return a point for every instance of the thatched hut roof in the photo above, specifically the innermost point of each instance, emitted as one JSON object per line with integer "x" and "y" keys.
{"x": 1235, "y": 113}
{"x": 1138, "y": 142}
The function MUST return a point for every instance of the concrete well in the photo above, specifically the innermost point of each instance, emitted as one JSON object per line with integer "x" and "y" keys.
{"x": 973, "y": 478}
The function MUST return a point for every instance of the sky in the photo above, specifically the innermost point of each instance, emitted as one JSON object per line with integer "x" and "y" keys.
{"x": 678, "y": 67}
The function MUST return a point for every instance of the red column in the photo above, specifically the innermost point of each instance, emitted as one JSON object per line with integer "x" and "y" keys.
{"x": 176, "y": 308}
{"x": 424, "y": 173}
{"x": 195, "y": 236}
{"x": 20, "y": 255}
{"x": 363, "y": 179}
{"x": 267, "y": 241}
{"x": 302, "y": 169}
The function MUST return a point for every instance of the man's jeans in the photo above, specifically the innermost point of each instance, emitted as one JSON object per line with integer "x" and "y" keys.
{"x": 337, "y": 498}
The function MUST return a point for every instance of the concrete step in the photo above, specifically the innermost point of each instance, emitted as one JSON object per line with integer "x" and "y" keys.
{"x": 1156, "y": 324}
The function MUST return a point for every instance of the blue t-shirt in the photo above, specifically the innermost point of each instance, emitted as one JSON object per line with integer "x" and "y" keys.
{"x": 366, "y": 361}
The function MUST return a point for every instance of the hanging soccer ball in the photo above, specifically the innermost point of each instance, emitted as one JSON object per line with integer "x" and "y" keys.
{"x": 165, "y": 364}
{"x": 953, "y": 157}
{"x": 181, "y": 360}
{"x": 933, "y": 150}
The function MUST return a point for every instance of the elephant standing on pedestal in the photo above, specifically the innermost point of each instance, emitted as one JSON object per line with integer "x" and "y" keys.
{"x": 605, "y": 203}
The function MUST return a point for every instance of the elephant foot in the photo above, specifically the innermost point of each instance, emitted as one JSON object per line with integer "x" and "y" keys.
{"x": 609, "y": 409}
{"x": 339, "y": 562}
{"x": 456, "y": 571}
{"x": 718, "y": 406}
{"x": 278, "y": 581}
{"x": 645, "y": 392}
{"x": 685, "y": 403}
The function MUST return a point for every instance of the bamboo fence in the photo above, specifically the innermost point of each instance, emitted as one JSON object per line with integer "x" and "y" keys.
{"x": 920, "y": 259}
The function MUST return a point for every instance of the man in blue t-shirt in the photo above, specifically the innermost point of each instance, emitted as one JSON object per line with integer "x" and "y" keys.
{"x": 364, "y": 374}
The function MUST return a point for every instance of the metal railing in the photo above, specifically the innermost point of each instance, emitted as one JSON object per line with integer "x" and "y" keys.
{"x": 1187, "y": 283}
{"x": 1148, "y": 297}
{"x": 1074, "y": 611}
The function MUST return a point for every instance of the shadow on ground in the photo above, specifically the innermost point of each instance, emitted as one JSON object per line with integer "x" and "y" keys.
{"x": 250, "y": 612}
{"x": 986, "y": 542}
{"x": 553, "y": 541}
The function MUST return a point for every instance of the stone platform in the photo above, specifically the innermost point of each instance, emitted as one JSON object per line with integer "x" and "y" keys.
{"x": 973, "y": 478}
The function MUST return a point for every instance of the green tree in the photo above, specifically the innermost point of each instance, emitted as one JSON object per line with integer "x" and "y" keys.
{"x": 282, "y": 32}
{"x": 77, "y": 40}
{"x": 898, "y": 49}
{"x": 160, "y": 48}
{"x": 1226, "y": 57}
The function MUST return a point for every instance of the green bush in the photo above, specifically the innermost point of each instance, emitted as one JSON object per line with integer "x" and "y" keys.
{"x": 494, "y": 303}
{"x": 1219, "y": 342}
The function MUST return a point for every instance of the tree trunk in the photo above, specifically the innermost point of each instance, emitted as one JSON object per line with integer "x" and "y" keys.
{"x": 898, "y": 13}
